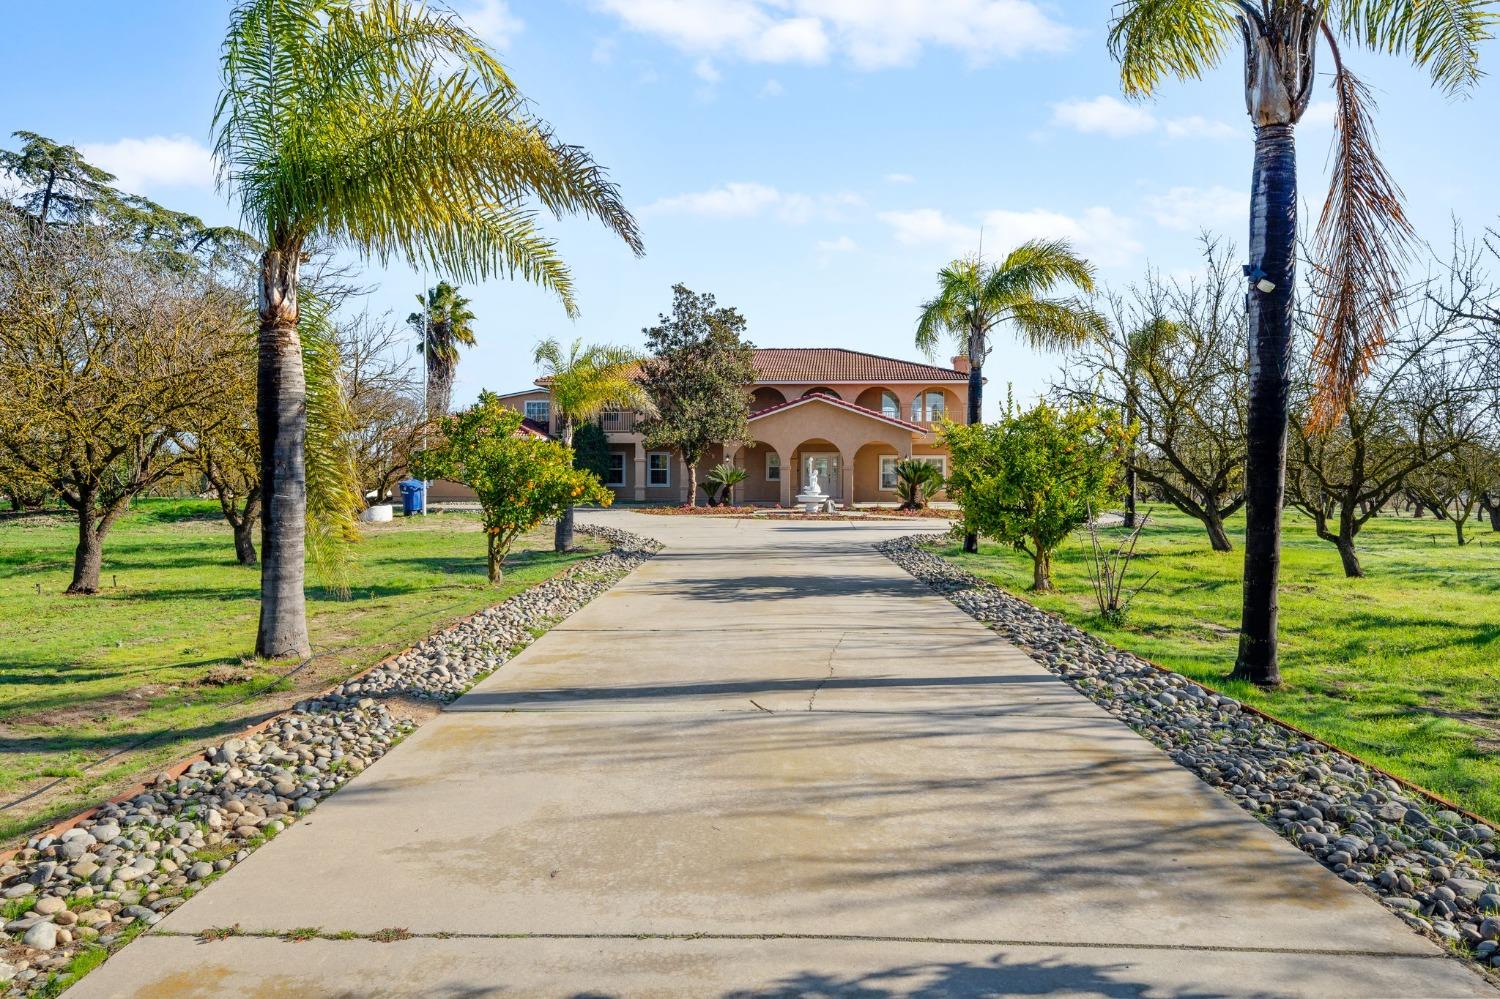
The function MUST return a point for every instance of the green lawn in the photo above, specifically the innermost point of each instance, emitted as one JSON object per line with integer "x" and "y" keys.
{"x": 84, "y": 677}
{"x": 1401, "y": 668}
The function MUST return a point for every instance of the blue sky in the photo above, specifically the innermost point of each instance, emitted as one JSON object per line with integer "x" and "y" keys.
{"x": 812, "y": 162}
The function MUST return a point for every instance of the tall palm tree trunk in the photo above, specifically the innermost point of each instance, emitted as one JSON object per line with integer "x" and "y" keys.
{"x": 976, "y": 409}
{"x": 1273, "y": 235}
{"x": 562, "y": 534}
{"x": 1132, "y": 486}
{"x": 281, "y": 411}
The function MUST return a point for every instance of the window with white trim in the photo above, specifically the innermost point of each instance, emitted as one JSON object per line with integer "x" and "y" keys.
{"x": 888, "y": 463}
{"x": 539, "y": 410}
{"x": 773, "y": 466}
{"x": 659, "y": 468}
{"x": 616, "y": 475}
{"x": 928, "y": 407}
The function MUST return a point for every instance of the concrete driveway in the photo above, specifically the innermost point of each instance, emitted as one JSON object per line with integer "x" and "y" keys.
{"x": 771, "y": 763}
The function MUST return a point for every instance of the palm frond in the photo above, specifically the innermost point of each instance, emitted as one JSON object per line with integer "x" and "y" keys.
{"x": 1442, "y": 36}
{"x": 333, "y": 493}
{"x": 1154, "y": 39}
{"x": 1038, "y": 266}
{"x": 391, "y": 127}
{"x": 588, "y": 380}
{"x": 1361, "y": 245}
{"x": 1057, "y": 324}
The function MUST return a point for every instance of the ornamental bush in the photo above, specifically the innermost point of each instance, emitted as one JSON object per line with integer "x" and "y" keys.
{"x": 1031, "y": 479}
{"x": 521, "y": 479}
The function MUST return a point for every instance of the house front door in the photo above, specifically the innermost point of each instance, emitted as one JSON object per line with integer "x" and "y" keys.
{"x": 827, "y": 467}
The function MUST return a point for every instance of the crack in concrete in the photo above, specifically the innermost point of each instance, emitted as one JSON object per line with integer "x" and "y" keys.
{"x": 301, "y": 934}
{"x": 831, "y": 653}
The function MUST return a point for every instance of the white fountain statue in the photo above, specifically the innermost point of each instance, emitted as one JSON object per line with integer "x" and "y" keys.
{"x": 813, "y": 498}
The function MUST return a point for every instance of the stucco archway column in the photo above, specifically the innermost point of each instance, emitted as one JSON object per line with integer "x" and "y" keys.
{"x": 638, "y": 484}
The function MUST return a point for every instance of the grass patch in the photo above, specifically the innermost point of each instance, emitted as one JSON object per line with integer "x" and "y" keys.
{"x": 15, "y": 908}
{"x": 164, "y": 652}
{"x": 213, "y": 933}
{"x": 302, "y": 933}
{"x": 1400, "y": 668}
{"x": 391, "y": 934}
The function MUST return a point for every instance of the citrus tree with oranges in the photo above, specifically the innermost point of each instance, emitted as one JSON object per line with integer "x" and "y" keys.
{"x": 521, "y": 479}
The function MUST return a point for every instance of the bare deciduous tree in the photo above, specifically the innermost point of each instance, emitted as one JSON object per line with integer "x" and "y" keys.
{"x": 1410, "y": 411}
{"x": 1172, "y": 360}
{"x": 107, "y": 362}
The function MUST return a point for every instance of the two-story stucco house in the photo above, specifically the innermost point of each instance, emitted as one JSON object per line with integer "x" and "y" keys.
{"x": 848, "y": 414}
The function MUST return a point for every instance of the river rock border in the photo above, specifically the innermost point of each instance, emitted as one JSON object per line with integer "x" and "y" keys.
{"x": 99, "y": 881}
{"x": 1430, "y": 865}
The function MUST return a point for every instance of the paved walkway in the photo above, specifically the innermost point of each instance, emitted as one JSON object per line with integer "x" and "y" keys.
{"x": 771, "y": 763}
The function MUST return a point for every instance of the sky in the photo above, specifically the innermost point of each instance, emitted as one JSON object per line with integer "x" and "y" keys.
{"x": 811, "y": 162}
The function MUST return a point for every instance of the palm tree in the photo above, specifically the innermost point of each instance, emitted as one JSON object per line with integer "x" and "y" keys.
{"x": 916, "y": 481}
{"x": 1361, "y": 237}
{"x": 389, "y": 129}
{"x": 584, "y": 383}
{"x": 444, "y": 324}
{"x": 974, "y": 298}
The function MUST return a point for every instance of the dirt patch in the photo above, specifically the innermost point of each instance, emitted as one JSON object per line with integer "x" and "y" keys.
{"x": 225, "y": 676}
{"x": 412, "y": 709}
{"x": 1486, "y": 721}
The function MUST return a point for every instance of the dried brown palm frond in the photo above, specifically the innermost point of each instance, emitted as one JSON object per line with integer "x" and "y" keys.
{"x": 1361, "y": 245}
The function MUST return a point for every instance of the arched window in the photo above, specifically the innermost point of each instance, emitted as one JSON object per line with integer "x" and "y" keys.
{"x": 928, "y": 407}
{"x": 890, "y": 405}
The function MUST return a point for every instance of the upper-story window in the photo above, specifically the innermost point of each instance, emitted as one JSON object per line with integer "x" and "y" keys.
{"x": 890, "y": 405}
{"x": 539, "y": 410}
{"x": 928, "y": 407}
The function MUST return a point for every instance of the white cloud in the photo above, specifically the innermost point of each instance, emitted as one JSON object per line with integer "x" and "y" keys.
{"x": 930, "y": 227}
{"x": 1098, "y": 233}
{"x": 143, "y": 165}
{"x": 706, "y": 72}
{"x": 841, "y": 245}
{"x": 604, "y": 51}
{"x": 1103, "y": 116}
{"x": 1319, "y": 114}
{"x": 492, "y": 21}
{"x": 1198, "y": 127}
{"x": 1189, "y": 209}
{"x": 772, "y": 88}
{"x": 900, "y": 178}
{"x": 1106, "y": 115}
{"x": 747, "y": 199}
{"x": 870, "y": 34}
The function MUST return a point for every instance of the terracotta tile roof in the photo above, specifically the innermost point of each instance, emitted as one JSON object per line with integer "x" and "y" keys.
{"x": 840, "y": 404}
{"x": 835, "y": 364}
{"x": 531, "y": 427}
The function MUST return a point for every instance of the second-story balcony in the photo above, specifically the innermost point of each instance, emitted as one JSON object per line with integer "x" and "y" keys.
{"x": 618, "y": 421}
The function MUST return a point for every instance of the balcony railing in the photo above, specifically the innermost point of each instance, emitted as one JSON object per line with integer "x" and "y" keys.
{"x": 618, "y": 422}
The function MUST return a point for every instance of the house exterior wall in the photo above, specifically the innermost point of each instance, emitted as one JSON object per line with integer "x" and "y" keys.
{"x": 858, "y": 439}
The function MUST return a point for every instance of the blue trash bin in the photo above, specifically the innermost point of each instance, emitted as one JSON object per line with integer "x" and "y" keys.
{"x": 413, "y": 497}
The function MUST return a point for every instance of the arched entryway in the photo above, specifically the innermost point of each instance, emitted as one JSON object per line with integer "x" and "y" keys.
{"x": 764, "y": 468}
{"x": 822, "y": 390}
{"x": 824, "y": 456}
